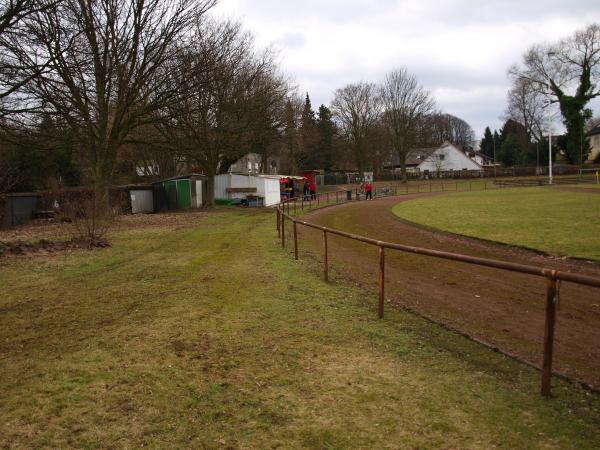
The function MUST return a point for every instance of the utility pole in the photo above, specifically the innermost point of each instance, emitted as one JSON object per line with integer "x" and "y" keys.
{"x": 494, "y": 141}
{"x": 537, "y": 164}
{"x": 550, "y": 156}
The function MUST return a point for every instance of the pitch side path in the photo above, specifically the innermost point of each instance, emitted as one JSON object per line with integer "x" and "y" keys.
{"x": 502, "y": 308}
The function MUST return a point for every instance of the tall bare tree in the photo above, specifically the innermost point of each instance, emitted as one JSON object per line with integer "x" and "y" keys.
{"x": 19, "y": 63}
{"x": 529, "y": 107}
{"x": 567, "y": 73}
{"x": 356, "y": 108}
{"x": 407, "y": 106}
{"x": 232, "y": 89}
{"x": 446, "y": 127}
{"x": 105, "y": 74}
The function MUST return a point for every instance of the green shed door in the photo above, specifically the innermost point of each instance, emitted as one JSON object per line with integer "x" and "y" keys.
{"x": 184, "y": 194}
{"x": 171, "y": 194}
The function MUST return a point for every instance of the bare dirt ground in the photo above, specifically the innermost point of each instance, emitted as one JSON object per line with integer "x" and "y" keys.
{"x": 502, "y": 308}
{"x": 44, "y": 229}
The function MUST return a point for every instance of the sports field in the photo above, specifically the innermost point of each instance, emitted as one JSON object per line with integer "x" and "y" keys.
{"x": 551, "y": 220}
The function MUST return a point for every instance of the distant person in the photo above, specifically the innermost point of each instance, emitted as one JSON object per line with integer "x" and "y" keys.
{"x": 313, "y": 190}
{"x": 306, "y": 191}
{"x": 368, "y": 190}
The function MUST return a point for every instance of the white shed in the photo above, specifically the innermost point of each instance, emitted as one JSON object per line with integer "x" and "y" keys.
{"x": 142, "y": 200}
{"x": 230, "y": 186}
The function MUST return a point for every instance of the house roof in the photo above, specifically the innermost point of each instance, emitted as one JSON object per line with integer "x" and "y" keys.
{"x": 594, "y": 131}
{"x": 418, "y": 155}
{"x": 483, "y": 155}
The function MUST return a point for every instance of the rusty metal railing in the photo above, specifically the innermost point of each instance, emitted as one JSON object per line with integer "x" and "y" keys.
{"x": 552, "y": 276}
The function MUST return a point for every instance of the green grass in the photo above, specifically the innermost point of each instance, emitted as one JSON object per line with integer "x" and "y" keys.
{"x": 562, "y": 223}
{"x": 214, "y": 337}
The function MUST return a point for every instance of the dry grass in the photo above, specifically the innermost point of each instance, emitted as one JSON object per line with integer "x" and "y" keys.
{"x": 212, "y": 337}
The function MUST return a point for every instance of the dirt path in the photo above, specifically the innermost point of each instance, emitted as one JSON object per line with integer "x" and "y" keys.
{"x": 503, "y": 308}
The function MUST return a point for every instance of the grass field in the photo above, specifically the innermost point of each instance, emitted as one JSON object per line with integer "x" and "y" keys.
{"x": 210, "y": 336}
{"x": 562, "y": 223}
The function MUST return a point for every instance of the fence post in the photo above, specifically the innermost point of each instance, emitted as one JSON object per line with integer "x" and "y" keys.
{"x": 381, "y": 281}
{"x": 283, "y": 230}
{"x": 549, "y": 335}
{"x": 295, "y": 199}
{"x": 318, "y": 195}
{"x": 325, "y": 258}
{"x": 295, "y": 240}
{"x": 278, "y": 223}
{"x": 337, "y": 197}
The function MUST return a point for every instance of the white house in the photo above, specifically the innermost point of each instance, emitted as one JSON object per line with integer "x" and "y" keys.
{"x": 230, "y": 186}
{"x": 480, "y": 158}
{"x": 445, "y": 158}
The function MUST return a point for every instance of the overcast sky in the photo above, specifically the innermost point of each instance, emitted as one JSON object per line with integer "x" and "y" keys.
{"x": 460, "y": 50}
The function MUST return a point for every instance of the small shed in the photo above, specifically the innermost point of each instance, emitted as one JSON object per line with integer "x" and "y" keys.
{"x": 141, "y": 198}
{"x": 17, "y": 209}
{"x": 182, "y": 192}
{"x": 258, "y": 189}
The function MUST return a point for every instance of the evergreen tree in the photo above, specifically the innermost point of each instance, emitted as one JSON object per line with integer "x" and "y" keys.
{"x": 291, "y": 139}
{"x": 308, "y": 136}
{"x": 509, "y": 153}
{"x": 486, "y": 145}
{"x": 496, "y": 144}
{"x": 326, "y": 134}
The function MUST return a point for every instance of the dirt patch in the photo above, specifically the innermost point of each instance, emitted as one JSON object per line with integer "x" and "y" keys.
{"x": 21, "y": 248}
{"x": 503, "y": 308}
{"x": 44, "y": 229}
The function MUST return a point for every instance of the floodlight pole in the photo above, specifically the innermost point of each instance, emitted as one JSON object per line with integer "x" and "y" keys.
{"x": 550, "y": 156}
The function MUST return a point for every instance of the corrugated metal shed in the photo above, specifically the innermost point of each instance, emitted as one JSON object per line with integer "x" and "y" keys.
{"x": 182, "y": 192}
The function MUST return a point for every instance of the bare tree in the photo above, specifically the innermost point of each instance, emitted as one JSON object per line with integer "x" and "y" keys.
{"x": 407, "y": 106}
{"x": 105, "y": 74}
{"x": 19, "y": 64}
{"x": 529, "y": 107}
{"x": 567, "y": 73}
{"x": 232, "y": 89}
{"x": 356, "y": 108}
{"x": 445, "y": 127}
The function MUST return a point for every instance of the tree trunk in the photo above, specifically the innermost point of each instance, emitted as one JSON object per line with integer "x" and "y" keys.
{"x": 210, "y": 191}
{"x": 403, "y": 170}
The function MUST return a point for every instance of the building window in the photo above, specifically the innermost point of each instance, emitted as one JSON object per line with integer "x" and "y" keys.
{"x": 441, "y": 157}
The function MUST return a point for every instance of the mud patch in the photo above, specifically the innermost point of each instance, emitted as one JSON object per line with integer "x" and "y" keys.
{"x": 22, "y": 248}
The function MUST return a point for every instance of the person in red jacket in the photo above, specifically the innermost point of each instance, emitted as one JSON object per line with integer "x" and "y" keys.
{"x": 368, "y": 191}
{"x": 313, "y": 189}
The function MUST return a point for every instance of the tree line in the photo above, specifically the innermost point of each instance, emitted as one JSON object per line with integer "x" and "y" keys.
{"x": 369, "y": 125}
{"x": 93, "y": 91}
{"x": 97, "y": 92}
